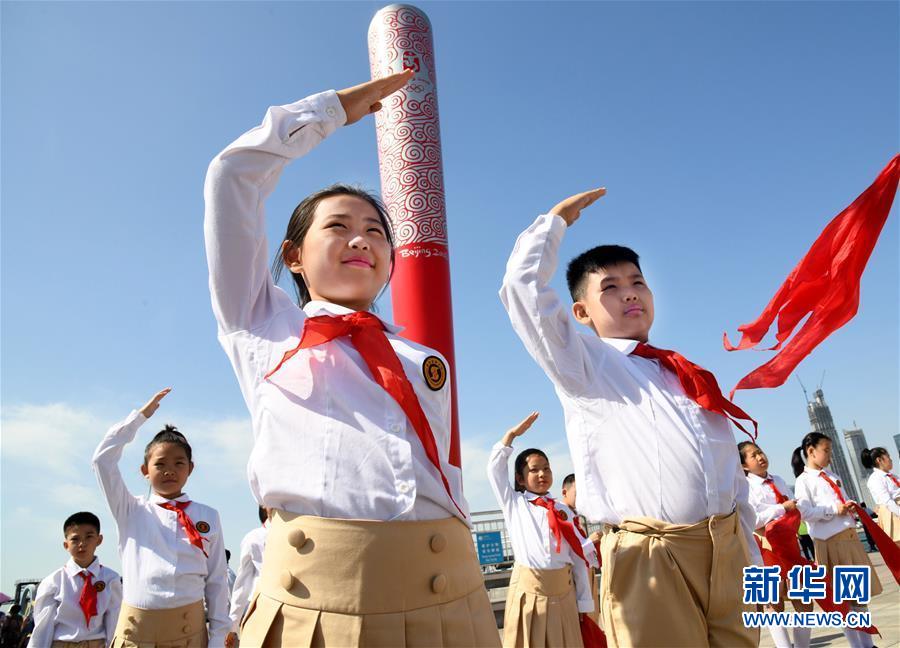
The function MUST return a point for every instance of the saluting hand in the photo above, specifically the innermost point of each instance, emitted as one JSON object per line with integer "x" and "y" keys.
{"x": 153, "y": 404}
{"x": 365, "y": 98}
{"x": 520, "y": 429}
{"x": 570, "y": 208}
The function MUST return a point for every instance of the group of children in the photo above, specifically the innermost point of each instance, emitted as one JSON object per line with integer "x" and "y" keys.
{"x": 367, "y": 533}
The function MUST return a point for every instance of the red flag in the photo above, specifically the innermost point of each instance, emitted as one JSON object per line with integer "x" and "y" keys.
{"x": 824, "y": 285}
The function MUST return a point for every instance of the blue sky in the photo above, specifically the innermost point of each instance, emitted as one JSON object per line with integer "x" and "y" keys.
{"x": 728, "y": 134}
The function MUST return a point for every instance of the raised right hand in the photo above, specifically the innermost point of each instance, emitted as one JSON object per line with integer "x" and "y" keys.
{"x": 790, "y": 505}
{"x": 365, "y": 98}
{"x": 519, "y": 429}
{"x": 153, "y": 404}
{"x": 570, "y": 208}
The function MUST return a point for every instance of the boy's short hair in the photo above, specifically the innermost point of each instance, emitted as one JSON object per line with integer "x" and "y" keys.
{"x": 82, "y": 517}
{"x": 263, "y": 515}
{"x": 168, "y": 434}
{"x": 569, "y": 480}
{"x": 593, "y": 260}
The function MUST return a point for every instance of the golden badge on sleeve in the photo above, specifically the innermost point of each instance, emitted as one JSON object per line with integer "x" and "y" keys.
{"x": 435, "y": 372}
{"x": 202, "y": 527}
{"x": 99, "y": 586}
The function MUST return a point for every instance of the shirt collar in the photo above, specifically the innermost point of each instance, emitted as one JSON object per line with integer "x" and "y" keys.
{"x": 756, "y": 479}
{"x": 816, "y": 472}
{"x": 318, "y": 307}
{"x": 530, "y": 496}
{"x": 621, "y": 344}
{"x": 155, "y": 498}
{"x": 879, "y": 470}
{"x": 72, "y": 568}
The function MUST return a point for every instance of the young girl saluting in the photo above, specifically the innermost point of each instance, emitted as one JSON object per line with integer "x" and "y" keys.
{"x": 542, "y": 605}
{"x": 172, "y": 548}
{"x": 369, "y": 542}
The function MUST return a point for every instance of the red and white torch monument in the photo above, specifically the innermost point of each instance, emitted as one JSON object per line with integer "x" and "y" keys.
{"x": 412, "y": 184}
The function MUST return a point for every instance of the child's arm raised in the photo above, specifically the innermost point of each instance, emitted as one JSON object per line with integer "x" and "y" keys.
{"x": 498, "y": 464}
{"x": 535, "y": 310}
{"x": 107, "y": 455}
{"x": 241, "y": 177}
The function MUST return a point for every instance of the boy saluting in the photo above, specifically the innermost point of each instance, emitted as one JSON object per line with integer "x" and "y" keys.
{"x": 649, "y": 436}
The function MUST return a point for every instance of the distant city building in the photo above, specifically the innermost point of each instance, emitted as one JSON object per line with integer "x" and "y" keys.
{"x": 820, "y": 421}
{"x": 856, "y": 443}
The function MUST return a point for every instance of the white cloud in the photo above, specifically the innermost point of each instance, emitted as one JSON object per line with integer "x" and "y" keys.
{"x": 49, "y": 438}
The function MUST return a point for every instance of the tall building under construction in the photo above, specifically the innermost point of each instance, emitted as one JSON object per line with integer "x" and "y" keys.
{"x": 820, "y": 421}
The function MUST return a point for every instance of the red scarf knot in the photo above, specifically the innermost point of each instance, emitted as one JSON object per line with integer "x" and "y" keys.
{"x": 699, "y": 384}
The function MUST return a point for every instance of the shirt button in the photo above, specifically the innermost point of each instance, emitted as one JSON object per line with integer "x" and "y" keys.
{"x": 403, "y": 487}
{"x": 330, "y": 111}
{"x": 438, "y": 583}
{"x": 287, "y": 580}
{"x": 396, "y": 427}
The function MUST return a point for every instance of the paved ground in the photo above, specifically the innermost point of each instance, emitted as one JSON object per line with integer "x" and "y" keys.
{"x": 885, "y": 609}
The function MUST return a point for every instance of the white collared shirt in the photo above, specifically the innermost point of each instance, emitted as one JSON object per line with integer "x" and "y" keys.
{"x": 329, "y": 441}
{"x": 884, "y": 491}
{"x": 529, "y": 530}
{"x": 57, "y": 612}
{"x": 762, "y": 498}
{"x": 252, "y": 547}
{"x": 818, "y": 504}
{"x": 640, "y": 446}
{"x": 161, "y": 568}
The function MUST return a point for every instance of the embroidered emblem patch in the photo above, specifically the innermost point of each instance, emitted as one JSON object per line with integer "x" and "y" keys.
{"x": 562, "y": 515}
{"x": 202, "y": 527}
{"x": 435, "y": 372}
{"x": 99, "y": 586}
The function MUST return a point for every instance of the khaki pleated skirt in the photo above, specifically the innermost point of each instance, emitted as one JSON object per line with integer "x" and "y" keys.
{"x": 541, "y": 609}
{"x": 181, "y": 627}
{"x": 87, "y": 643}
{"x": 844, "y": 548}
{"x": 888, "y": 522}
{"x": 367, "y": 583}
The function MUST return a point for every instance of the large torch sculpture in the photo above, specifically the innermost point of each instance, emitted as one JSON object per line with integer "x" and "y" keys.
{"x": 412, "y": 187}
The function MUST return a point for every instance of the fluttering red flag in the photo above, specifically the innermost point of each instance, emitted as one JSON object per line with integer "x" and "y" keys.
{"x": 824, "y": 285}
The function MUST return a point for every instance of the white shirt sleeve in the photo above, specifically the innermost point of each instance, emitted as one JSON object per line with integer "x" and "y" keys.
{"x": 746, "y": 515}
{"x": 45, "y": 607}
{"x": 536, "y": 312}
{"x": 877, "y": 484}
{"x": 106, "y": 466}
{"x": 243, "y": 585}
{"x": 111, "y": 616}
{"x": 765, "y": 511}
{"x": 238, "y": 181}
{"x": 581, "y": 577}
{"x": 806, "y": 502}
{"x": 498, "y": 477}
{"x": 217, "y": 589}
